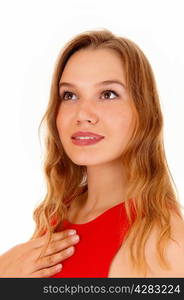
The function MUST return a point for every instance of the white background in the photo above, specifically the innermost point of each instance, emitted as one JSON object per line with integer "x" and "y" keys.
{"x": 31, "y": 36}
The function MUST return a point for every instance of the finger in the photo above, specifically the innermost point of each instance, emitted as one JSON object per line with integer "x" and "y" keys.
{"x": 50, "y": 260}
{"x": 41, "y": 241}
{"x": 57, "y": 246}
{"x": 47, "y": 272}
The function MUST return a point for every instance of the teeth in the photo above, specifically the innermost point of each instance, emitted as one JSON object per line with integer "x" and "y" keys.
{"x": 85, "y": 138}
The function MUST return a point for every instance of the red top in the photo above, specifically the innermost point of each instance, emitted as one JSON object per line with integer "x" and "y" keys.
{"x": 99, "y": 241}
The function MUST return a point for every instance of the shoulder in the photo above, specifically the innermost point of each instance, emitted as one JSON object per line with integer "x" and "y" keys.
{"x": 174, "y": 251}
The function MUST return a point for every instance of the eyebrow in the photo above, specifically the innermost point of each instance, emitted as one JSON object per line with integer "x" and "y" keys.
{"x": 106, "y": 82}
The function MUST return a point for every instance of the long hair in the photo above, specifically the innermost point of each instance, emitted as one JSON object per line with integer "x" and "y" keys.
{"x": 151, "y": 187}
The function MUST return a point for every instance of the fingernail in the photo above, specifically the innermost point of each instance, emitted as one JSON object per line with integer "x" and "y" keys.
{"x": 71, "y": 232}
{"x": 59, "y": 267}
{"x": 75, "y": 238}
{"x": 70, "y": 250}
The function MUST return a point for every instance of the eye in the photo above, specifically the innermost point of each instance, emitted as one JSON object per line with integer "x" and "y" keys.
{"x": 108, "y": 92}
{"x": 66, "y": 95}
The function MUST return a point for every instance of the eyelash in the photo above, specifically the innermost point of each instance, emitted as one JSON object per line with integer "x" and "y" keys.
{"x": 64, "y": 93}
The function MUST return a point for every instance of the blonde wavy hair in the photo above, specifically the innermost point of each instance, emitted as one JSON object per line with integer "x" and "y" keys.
{"x": 151, "y": 187}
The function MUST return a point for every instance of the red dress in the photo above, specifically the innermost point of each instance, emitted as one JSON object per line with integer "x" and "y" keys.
{"x": 99, "y": 241}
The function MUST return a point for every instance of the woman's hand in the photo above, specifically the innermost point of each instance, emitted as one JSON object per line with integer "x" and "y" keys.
{"x": 23, "y": 259}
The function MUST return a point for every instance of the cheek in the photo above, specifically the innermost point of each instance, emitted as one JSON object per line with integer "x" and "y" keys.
{"x": 122, "y": 130}
{"x": 60, "y": 124}
{"x": 120, "y": 121}
{"x": 63, "y": 119}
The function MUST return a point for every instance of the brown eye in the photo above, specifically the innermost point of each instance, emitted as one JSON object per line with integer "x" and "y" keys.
{"x": 108, "y": 93}
{"x": 67, "y": 95}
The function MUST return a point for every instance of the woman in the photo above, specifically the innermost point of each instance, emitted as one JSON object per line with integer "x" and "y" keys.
{"x": 106, "y": 171}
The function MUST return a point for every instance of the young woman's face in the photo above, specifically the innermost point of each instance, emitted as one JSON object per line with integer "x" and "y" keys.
{"x": 90, "y": 105}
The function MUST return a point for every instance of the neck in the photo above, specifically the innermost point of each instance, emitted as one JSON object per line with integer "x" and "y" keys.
{"x": 106, "y": 187}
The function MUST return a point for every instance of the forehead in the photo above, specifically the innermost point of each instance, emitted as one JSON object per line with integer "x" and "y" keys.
{"x": 90, "y": 64}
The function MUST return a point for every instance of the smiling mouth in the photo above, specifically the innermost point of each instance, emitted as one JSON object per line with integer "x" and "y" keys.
{"x": 82, "y": 141}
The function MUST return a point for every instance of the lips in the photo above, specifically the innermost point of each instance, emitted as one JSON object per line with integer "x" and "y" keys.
{"x": 86, "y": 134}
{"x": 86, "y": 142}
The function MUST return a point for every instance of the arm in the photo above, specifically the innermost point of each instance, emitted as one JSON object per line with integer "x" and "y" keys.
{"x": 174, "y": 252}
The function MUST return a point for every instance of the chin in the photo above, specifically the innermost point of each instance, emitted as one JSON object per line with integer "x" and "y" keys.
{"x": 84, "y": 162}
{"x": 89, "y": 160}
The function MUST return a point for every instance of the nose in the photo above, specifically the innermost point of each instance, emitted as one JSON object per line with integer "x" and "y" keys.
{"x": 86, "y": 112}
